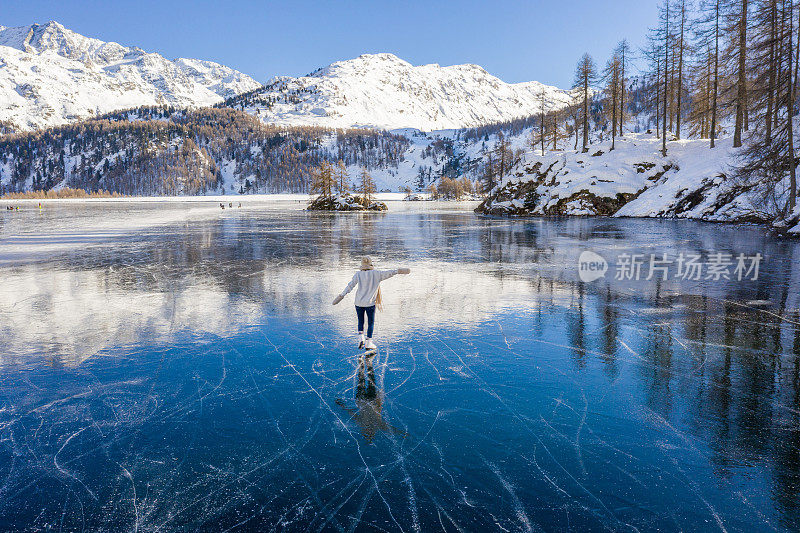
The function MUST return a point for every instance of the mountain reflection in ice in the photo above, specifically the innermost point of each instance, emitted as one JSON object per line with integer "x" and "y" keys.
{"x": 194, "y": 375}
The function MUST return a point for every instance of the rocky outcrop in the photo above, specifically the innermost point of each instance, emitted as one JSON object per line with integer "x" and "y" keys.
{"x": 636, "y": 180}
{"x": 345, "y": 203}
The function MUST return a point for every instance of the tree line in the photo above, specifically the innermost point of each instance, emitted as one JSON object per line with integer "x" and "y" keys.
{"x": 709, "y": 68}
{"x": 730, "y": 65}
{"x": 167, "y": 151}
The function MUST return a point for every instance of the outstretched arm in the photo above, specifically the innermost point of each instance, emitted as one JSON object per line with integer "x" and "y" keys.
{"x": 347, "y": 289}
{"x": 386, "y": 274}
{"x": 351, "y": 412}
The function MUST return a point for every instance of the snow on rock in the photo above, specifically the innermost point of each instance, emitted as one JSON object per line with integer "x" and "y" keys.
{"x": 50, "y": 75}
{"x": 383, "y": 91}
{"x": 790, "y": 224}
{"x": 345, "y": 202}
{"x": 636, "y": 180}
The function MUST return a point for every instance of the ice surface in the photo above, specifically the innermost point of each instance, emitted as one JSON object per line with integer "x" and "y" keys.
{"x": 193, "y": 375}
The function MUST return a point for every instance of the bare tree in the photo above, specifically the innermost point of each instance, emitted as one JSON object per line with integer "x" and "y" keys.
{"x": 342, "y": 178}
{"x": 790, "y": 100}
{"x": 769, "y": 155}
{"x": 367, "y": 187}
{"x": 623, "y": 52}
{"x": 542, "y": 96}
{"x": 681, "y": 49}
{"x": 555, "y": 116}
{"x": 612, "y": 76}
{"x": 741, "y": 75}
{"x": 323, "y": 180}
{"x": 666, "y": 37}
{"x": 585, "y": 75}
{"x": 708, "y": 38}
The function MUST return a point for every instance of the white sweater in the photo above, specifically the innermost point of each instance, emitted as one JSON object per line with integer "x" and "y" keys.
{"x": 368, "y": 282}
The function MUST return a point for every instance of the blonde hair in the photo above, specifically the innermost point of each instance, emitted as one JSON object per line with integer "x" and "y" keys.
{"x": 366, "y": 264}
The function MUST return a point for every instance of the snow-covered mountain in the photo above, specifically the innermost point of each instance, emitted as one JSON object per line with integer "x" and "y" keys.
{"x": 50, "y": 75}
{"x": 383, "y": 91}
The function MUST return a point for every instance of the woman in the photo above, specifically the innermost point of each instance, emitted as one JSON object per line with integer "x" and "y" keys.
{"x": 368, "y": 295}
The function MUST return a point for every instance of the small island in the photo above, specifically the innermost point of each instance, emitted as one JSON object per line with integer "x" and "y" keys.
{"x": 331, "y": 185}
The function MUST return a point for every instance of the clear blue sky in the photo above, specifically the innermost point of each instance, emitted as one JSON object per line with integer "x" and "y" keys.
{"x": 514, "y": 40}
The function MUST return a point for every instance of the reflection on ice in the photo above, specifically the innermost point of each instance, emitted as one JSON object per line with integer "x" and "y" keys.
{"x": 368, "y": 411}
{"x": 196, "y": 377}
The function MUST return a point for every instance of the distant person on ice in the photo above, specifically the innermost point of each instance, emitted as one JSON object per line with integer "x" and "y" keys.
{"x": 368, "y": 295}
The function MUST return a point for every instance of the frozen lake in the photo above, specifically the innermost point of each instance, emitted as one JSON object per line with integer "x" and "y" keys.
{"x": 174, "y": 366}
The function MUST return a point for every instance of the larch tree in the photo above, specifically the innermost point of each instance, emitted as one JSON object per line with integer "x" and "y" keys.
{"x": 499, "y": 162}
{"x": 680, "y": 49}
{"x": 612, "y": 90}
{"x": 503, "y": 156}
{"x": 769, "y": 154}
{"x": 585, "y": 75}
{"x": 323, "y": 180}
{"x": 654, "y": 77}
{"x": 790, "y": 103}
{"x": 699, "y": 117}
{"x": 704, "y": 71}
{"x": 575, "y": 114}
{"x": 764, "y": 64}
{"x": 489, "y": 173}
{"x": 623, "y": 52}
{"x": 367, "y": 187}
{"x": 741, "y": 74}
{"x": 555, "y": 118}
{"x": 666, "y": 37}
{"x": 342, "y": 178}
{"x": 542, "y": 99}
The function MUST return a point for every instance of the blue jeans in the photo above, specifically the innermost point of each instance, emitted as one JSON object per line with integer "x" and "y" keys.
{"x": 370, "y": 311}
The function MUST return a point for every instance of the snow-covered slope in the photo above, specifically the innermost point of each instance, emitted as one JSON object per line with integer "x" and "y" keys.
{"x": 383, "y": 91}
{"x": 692, "y": 181}
{"x": 50, "y": 75}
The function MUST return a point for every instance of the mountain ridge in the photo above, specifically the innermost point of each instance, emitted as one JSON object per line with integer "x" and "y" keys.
{"x": 386, "y": 92}
{"x": 50, "y": 75}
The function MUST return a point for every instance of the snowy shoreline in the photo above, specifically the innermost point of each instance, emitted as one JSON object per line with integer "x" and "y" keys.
{"x": 244, "y": 198}
{"x": 392, "y": 198}
{"x": 635, "y": 180}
